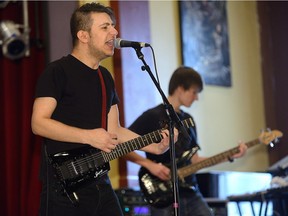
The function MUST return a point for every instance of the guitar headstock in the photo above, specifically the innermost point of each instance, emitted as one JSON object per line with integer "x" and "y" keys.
{"x": 269, "y": 137}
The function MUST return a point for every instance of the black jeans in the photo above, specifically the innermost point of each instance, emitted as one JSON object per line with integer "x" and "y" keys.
{"x": 94, "y": 200}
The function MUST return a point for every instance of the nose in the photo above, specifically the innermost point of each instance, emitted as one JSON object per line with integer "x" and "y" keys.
{"x": 114, "y": 31}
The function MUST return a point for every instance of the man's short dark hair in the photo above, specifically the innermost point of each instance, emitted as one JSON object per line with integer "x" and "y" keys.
{"x": 186, "y": 77}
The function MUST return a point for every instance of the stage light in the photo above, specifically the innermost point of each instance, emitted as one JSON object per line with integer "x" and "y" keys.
{"x": 3, "y": 3}
{"x": 14, "y": 44}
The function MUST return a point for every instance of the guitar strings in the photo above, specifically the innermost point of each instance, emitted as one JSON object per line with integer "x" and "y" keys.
{"x": 78, "y": 164}
{"x": 82, "y": 164}
{"x": 115, "y": 153}
{"x": 214, "y": 159}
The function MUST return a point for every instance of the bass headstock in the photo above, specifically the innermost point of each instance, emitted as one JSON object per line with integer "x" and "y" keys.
{"x": 270, "y": 137}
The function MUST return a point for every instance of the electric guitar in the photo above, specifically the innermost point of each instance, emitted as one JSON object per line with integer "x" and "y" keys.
{"x": 159, "y": 193}
{"x": 78, "y": 167}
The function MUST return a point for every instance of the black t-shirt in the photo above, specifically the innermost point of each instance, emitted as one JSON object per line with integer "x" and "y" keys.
{"x": 152, "y": 120}
{"x": 77, "y": 89}
{"x": 78, "y": 92}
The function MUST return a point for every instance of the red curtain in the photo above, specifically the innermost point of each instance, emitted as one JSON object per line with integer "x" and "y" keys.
{"x": 20, "y": 149}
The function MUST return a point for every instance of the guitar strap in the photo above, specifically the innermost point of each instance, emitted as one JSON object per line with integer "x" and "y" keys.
{"x": 104, "y": 102}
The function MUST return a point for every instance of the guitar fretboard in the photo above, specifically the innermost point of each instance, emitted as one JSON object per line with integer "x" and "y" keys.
{"x": 131, "y": 145}
{"x": 138, "y": 143}
{"x": 190, "y": 169}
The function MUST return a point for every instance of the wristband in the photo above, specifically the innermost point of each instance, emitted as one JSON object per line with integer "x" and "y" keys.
{"x": 230, "y": 159}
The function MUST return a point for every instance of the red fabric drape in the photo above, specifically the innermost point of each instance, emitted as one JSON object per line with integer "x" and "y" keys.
{"x": 20, "y": 149}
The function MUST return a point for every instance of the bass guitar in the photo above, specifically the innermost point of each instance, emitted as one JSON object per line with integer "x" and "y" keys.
{"x": 78, "y": 167}
{"x": 159, "y": 193}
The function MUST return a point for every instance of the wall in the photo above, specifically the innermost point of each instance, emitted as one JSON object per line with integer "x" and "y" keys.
{"x": 60, "y": 42}
{"x": 223, "y": 115}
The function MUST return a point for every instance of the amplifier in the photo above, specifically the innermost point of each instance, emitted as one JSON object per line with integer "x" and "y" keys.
{"x": 132, "y": 202}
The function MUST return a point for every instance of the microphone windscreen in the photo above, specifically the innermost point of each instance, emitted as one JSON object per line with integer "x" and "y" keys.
{"x": 117, "y": 42}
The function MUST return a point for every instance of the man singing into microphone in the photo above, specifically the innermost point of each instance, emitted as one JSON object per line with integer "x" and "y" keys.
{"x": 76, "y": 106}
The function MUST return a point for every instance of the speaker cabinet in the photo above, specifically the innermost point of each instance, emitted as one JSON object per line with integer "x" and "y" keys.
{"x": 132, "y": 202}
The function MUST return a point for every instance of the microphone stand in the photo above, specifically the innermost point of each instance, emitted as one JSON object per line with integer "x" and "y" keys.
{"x": 173, "y": 118}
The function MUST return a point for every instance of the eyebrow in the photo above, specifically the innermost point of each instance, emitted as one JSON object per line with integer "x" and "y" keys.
{"x": 107, "y": 24}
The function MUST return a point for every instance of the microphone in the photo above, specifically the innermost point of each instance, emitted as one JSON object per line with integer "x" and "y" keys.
{"x": 120, "y": 43}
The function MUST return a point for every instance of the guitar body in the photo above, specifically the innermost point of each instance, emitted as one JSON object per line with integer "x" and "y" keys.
{"x": 157, "y": 193}
{"x": 73, "y": 170}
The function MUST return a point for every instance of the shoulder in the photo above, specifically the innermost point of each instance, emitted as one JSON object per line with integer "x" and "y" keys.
{"x": 185, "y": 115}
{"x": 106, "y": 74}
{"x": 58, "y": 65}
{"x": 155, "y": 110}
{"x": 105, "y": 71}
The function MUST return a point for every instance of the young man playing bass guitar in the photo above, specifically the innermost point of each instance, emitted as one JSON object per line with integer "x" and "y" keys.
{"x": 184, "y": 87}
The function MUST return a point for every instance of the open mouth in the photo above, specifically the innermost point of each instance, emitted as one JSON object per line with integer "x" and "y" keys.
{"x": 110, "y": 42}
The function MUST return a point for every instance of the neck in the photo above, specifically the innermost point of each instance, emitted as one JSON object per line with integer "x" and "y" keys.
{"x": 85, "y": 59}
{"x": 174, "y": 102}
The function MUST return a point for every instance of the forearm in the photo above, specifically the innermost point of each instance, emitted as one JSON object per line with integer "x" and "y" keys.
{"x": 138, "y": 159}
{"x": 197, "y": 158}
{"x": 124, "y": 134}
{"x": 56, "y": 130}
{"x": 43, "y": 125}
{"x": 157, "y": 169}
{"x": 155, "y": 149}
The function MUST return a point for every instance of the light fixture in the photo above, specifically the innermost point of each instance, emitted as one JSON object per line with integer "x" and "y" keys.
{"x": 14, "y": 44}
{"x": 3, "y": 3}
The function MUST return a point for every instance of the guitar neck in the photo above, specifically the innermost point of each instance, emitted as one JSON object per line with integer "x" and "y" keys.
{"x": 131, "y": 145}
{"x": 216, "y": 159}
{"x": 138, "y": 143}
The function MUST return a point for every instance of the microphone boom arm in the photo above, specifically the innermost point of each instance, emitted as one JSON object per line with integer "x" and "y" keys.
{"x": 173, "y": 118}
{"x": 169, "y": 107}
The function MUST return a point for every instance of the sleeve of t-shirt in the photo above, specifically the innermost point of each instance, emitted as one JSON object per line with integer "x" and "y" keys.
{"x": 51, "y": 82}
{"x": 145, "y": 123}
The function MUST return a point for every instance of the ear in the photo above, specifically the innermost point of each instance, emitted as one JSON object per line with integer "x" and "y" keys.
{"x": 83, "y": 36}
{"x": 180, "y": 89}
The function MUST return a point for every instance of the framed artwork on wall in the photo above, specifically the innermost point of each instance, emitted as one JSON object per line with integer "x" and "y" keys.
{"x": 205, "y": 40}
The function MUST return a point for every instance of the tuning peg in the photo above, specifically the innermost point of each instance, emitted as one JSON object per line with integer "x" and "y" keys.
{"x": 276, "y": 140}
